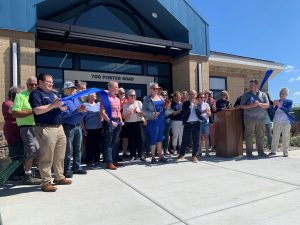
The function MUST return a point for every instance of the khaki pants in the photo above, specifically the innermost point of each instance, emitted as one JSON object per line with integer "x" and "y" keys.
{"x": 52, "y": 142}
{"x": 284, "y": 129}
{"x": 257, "y": 128}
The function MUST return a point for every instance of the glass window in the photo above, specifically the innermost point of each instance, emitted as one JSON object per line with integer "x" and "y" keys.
{"x": 54, "y": 59}
{"x": 57, "y": 77}
{"x": 110, "y": 65}
{"x": 158, "y": 69}
{"x": 217, "y": 83}
{"x": 96, "y": 18}
{"x": 164, "y": 83}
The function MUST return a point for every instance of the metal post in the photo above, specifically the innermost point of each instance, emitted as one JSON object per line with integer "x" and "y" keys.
{"x": 15, "y": 63}
{"x": 199, "y": 70}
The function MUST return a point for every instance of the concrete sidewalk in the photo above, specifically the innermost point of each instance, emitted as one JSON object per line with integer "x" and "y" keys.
{"x": 215, "y": 191}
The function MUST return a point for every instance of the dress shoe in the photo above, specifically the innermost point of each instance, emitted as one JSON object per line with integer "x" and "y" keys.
{"x": 48, "y": 188}
{"x": 68, "y": 174}
{"x": 194, "y": 159}
{"x": 116, "y": 164}
{"x": 272, "y": 153}
{"x": 262, "y": 154}
{"x": 63, "y": 182}
{"x": 180, "y": 157}
{"x": 111, "y": 166}
{"x": 82, "y": 172}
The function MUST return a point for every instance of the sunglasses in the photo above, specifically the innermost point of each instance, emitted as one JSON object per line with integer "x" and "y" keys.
{"x": 202, "y": 97}
{"x": 155, "y": 89}
{"x": 33, "y": 84}
{"x": 131, "y": 95}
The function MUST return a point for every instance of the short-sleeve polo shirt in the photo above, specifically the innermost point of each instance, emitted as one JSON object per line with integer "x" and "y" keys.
{"x": 38, "y": 98}
{"x": 21, "y": 103}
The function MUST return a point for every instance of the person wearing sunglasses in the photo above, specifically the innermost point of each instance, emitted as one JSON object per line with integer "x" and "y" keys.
{"x": 124, "y": 132}
{"x": 133, "y": 115}
{"x": 22, "y": 111}
{"x": 153, "y": 108}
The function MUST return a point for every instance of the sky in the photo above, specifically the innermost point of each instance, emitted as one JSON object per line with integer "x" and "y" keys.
{"x": 263, "y": 29}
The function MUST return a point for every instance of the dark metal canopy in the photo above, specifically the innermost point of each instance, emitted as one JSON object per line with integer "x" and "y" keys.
{"x": 66, "y": 33}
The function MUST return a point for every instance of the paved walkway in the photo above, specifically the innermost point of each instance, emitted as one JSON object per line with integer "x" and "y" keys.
{"x": 215, "y": 191}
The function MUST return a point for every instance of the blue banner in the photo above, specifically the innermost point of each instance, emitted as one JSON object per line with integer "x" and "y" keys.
{"x": 267, "y": 75}
{"x": 103, "y": 95}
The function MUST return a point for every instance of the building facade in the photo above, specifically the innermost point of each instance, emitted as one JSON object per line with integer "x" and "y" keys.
{"x": 163, "y": 41}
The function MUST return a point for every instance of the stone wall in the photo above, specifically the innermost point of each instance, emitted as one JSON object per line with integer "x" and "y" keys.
{"x": 237, "y": 79}
{"x": 26, "y": 60}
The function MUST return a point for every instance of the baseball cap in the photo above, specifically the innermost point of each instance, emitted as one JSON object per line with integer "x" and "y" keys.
{"x": 69, "y": 84}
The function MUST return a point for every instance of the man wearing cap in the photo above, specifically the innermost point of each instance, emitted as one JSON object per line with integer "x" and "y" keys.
{"x": 47, "y": 110}
{"x": 22, "y": 111}
{"x": 72, "y": 126}
{"x": 254, "y": 104}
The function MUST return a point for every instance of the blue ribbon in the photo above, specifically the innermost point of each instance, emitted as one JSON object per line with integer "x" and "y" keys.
{"x": 103, "y": 95}
{"x": 267, "y": 75}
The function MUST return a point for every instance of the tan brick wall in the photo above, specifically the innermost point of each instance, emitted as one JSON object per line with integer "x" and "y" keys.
{"x": 235, "y": 86}
{"x": 237, "y": 79}
{"x": 181, "y": 75}
{"x": 185, "y": 72}
{"x": 26, "y": 60}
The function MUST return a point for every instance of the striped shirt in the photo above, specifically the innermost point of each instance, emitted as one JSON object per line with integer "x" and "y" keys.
{"x": 115, "y": 106}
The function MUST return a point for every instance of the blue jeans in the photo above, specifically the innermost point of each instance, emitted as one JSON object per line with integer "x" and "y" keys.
{"x": 111, "y": 143}
{"x": 74, "y": 141}
{"x": 167, "y": 129}
{"x": 188, "y": 129}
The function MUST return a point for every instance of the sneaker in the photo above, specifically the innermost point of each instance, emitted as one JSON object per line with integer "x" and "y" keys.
{"x": 154, "y": 160}
{"x": 82, "y": 172}
{"x": 272, "y": 153}
{"x": 68, "y": 174}
{"x": 30, "y": 180}
{"x": 166, "y": 153}
{"x": 194, "y": 159}
{"x": 250, "y": 156}
{"x": 262, "y": 154}
{"x": 63, "y": 182}
{"x": 163, "y": 160}
{"x": 48, "y": 188}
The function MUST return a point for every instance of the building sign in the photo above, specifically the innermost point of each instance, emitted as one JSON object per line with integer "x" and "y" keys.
{"x": 106, "y": 77}
{"x": 73, "y": 75}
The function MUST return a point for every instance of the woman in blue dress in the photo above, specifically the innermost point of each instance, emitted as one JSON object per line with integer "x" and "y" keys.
{"x": 153, "y": 108}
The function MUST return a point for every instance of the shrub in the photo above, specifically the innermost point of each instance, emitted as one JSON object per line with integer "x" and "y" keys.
{"x": 295, "y": 141}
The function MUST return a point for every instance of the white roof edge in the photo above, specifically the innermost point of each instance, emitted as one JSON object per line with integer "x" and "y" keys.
{"x": 246, "y": 62}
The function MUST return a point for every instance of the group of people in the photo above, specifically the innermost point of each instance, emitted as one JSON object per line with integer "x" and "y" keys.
{"x": 53, "y": 131}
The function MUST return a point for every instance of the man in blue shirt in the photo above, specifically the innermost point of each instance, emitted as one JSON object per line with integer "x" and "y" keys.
{"x": 47, "y": 110}
{"x": 72, "y": 126}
